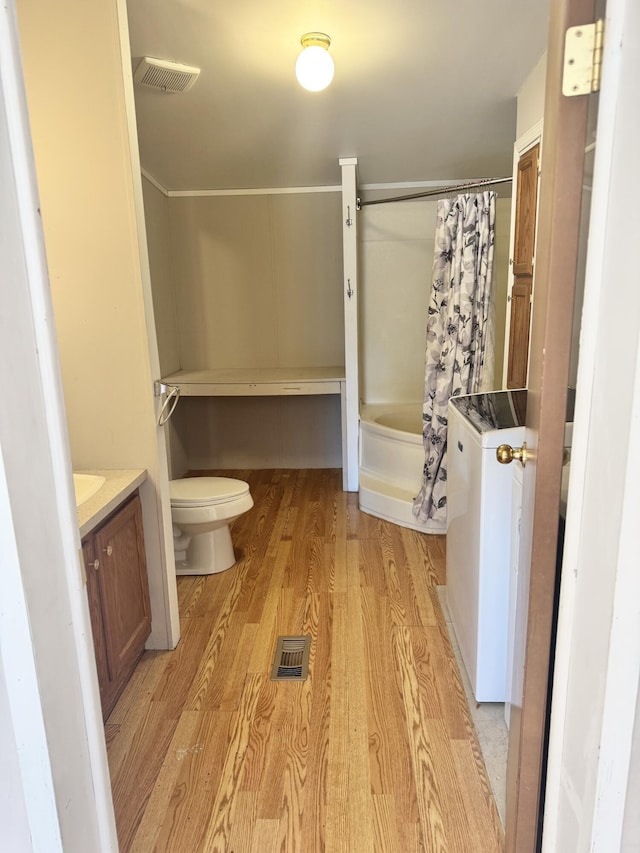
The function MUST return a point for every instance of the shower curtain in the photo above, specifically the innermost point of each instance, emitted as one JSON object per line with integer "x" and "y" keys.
{"x": 459, "y": 325}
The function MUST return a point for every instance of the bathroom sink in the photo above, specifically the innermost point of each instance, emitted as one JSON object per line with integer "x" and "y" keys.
{"x": 86, "y": 485}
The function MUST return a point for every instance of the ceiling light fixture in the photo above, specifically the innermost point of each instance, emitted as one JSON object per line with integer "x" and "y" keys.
{"x": 314, "y": 66}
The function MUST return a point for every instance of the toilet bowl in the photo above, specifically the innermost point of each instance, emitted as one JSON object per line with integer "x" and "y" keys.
{"x": 202, "y": 508}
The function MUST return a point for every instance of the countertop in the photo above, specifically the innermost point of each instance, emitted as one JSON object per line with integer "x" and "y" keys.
{"x": 118, "y": 485}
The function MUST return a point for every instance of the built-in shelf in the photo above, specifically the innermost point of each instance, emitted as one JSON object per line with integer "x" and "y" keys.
{"x": 259, "y": 382}
{"x": 267, "y": 382}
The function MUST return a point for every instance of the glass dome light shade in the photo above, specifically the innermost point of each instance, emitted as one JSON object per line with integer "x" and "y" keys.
{"x": 314, "y": 68}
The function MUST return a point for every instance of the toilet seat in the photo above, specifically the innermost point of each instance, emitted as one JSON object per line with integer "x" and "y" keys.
{"x": 206, "y": 491}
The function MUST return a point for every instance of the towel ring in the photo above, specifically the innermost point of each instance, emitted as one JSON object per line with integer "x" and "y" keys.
{"x": 169, "y": 405}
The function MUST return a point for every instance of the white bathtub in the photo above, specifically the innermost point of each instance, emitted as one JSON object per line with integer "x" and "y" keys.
{"x": 391, "y": 462}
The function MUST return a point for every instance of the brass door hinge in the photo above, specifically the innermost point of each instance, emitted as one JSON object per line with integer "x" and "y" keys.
{"x": 582, "y": 59}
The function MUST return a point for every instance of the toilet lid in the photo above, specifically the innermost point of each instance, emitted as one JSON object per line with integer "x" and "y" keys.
{"x": 205, "y": 491}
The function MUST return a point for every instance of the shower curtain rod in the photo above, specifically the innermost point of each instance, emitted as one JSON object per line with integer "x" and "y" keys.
{"x": 486, "y": 182}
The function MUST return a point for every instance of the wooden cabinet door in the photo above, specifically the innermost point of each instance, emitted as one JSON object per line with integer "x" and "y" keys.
{"x": 523, "y": 263}
{"x": 526, "y": 202}
{"x": 519, "y": 333}
{"x": 92, "y": 569}
{"x": 119, "y": 545}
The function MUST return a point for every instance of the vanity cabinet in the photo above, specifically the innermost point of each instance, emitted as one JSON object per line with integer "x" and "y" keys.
{"x": 118, "y": 593}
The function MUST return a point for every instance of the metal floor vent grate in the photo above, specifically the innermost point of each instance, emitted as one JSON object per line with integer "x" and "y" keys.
{"x": 291, "y": 660}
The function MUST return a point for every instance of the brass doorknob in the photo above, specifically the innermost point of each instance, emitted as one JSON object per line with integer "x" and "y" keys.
{"x": 506, "y": 454}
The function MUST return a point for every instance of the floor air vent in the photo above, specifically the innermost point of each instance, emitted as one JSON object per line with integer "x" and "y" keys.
{"x": 291, "y": 660}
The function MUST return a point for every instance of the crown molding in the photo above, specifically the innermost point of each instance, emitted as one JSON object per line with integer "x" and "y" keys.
{"x": 254, "y": 191}
{"x": 394, "y": 185}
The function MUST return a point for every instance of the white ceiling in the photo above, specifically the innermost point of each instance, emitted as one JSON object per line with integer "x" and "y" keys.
{"x": 423, "y": 89}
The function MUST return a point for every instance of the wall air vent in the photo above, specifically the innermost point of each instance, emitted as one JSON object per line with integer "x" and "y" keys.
{"x": 165, "y": 76}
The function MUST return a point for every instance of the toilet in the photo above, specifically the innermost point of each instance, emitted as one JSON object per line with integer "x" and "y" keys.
{"x": 202, "y": 508}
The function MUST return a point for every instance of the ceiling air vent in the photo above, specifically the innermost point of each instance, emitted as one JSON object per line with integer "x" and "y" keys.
{"x": 165, "y": 76}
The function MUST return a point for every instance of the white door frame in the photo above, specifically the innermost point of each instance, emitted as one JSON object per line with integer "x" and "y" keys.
{"x": 522, "y": 144}
{"x": 164, "y": 601}
{"x": 350, "y": 395}
{"x": 47, "y": 653}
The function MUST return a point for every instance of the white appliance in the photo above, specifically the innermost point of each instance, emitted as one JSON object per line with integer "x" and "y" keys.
{"x": 519, "y": 576}
{"x": 479, "y": 532}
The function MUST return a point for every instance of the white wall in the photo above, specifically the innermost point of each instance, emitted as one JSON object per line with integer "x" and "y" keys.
{"x": 396, "y": 255}
{"x": 631, "y": 825}
{"x": 14, "y": 825}
{"x": 83, "y": 157}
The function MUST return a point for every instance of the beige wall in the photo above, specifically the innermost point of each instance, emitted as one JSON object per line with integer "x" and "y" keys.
{"x": 396, "y": 256}
{"x": 156, "y": 211}
{"x": 258, "y": 280}
{"x": 531, "y": 97}
{"x": 261, "y": 432}
{"x": 76, "y": 95}
{"x": 255, "y": 281}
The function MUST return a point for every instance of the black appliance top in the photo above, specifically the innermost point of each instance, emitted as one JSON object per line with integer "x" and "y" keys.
{"x": 495, "y": 410}
{"x": 500, "y": 409}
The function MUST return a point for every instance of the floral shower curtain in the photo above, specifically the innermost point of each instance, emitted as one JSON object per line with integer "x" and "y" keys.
{"x": 458, "y": 328}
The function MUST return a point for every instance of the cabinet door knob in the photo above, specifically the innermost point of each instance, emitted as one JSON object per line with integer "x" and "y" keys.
{"x": 94, "y": 564}
{"x": 108, "y": 550}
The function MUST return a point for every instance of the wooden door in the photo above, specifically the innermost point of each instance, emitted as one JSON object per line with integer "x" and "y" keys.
{"x": 119, "y": 545}
{"x": 523, "y": 263}
{"x": 565, "y": 121}
{"x": 92, "y": 568}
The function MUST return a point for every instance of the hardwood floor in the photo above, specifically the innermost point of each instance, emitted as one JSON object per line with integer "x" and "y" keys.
{"x": 374, "y": 752}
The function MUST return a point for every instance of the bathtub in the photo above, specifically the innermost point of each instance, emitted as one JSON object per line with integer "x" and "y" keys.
{"x": 391, "y": 462}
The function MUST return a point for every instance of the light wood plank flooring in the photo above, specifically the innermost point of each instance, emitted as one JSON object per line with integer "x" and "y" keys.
{"x": 374, "y": 752}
